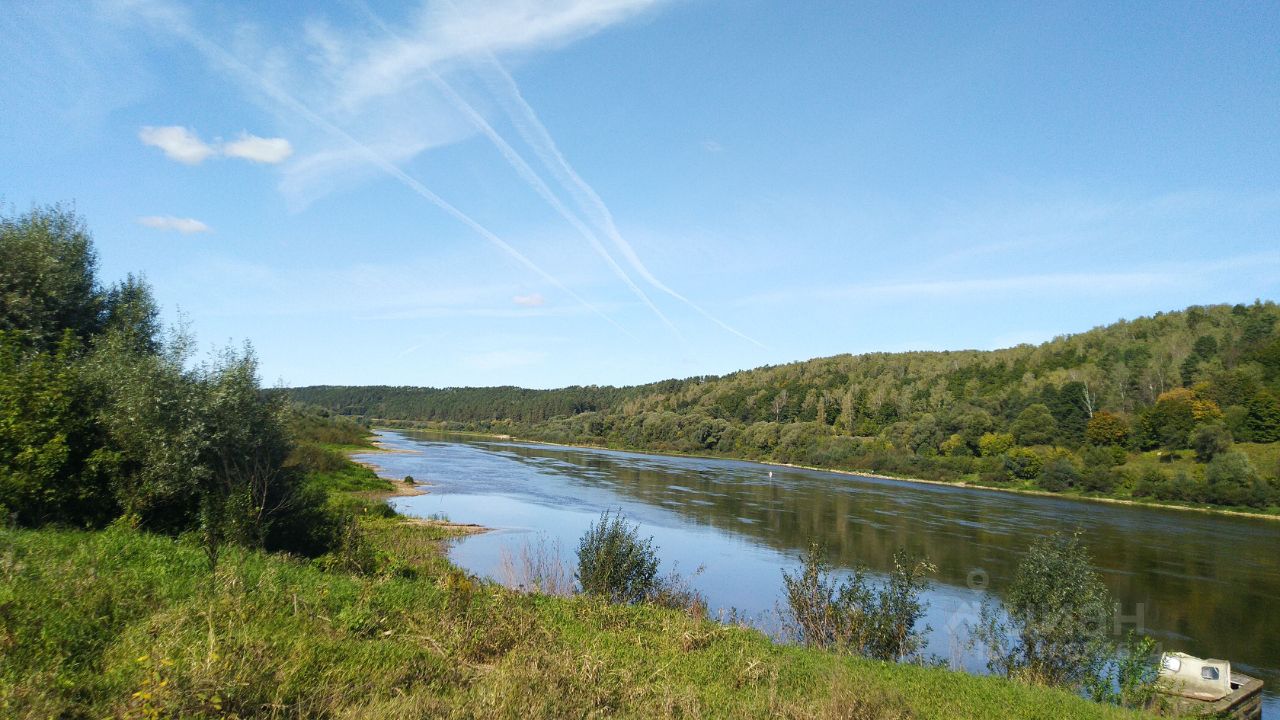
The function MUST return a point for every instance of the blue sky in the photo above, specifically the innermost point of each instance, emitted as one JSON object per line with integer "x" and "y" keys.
{"x": 552, "y": 192}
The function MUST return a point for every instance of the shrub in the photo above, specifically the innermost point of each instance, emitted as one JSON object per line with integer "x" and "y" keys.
{"x": 1054, "y": 625}
{"x": 1210, "y": 440}
{"x": 1022, "y": 464}
{"x": 854, "y": 616}
{"x": 1102, "y": 456}
{"x": 614, "y": 562}
{"x": 1150, "y": 483}
{"x": 1232, "y": 480}
{"x": 1059, "y": 475}
{"x": 1099, "y": 479}
{"x": 1129, "y": 677}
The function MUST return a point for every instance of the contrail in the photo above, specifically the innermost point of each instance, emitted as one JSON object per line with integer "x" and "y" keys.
{"x": 526, "y": 173}
{"x": 536, "y": 135}
{"x": 216, "y": 53}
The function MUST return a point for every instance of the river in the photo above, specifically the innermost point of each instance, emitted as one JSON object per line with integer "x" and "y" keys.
{"x": 1200, "y": 583}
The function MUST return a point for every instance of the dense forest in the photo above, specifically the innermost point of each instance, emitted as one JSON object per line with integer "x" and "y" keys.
{"x": 1180, "y": 406}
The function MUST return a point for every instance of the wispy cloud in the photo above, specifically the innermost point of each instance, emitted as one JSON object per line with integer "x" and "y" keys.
{"x": 712, "y": 146}
{"x": 259, "y": 149}
{"x": 178, "y": 143}
{"x": 186, "y": 226}
{"x": 173, "y": 20}
{"x": 446, "y": 31}
{"x": 532, "y": 179}
{"x": 593, "y": 206}
{"x": 531, "y": 300}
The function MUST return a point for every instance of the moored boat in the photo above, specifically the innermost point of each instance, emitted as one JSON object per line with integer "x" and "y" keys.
{"x": 1200, "y": 687}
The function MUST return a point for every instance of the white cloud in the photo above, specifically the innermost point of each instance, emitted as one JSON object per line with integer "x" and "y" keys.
{"x": 184, "y": 145}
{"x": 259, "y": 149}
{"x": 186, "y": 226}
{"x": 712, "y": 146}
{"x": 531, "y": 300}
{"x": 178, "y": 143}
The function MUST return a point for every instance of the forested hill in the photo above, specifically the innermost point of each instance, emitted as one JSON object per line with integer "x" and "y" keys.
{"x": 468, "y": 404}
{"x": 1136, "y": 385}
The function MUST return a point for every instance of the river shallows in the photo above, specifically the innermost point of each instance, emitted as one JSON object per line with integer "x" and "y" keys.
{"x": 1205, "y": 584}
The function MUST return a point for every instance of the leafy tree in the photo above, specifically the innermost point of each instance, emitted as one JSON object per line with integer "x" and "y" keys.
{"x": 1210, "y": 440}
{"x": 1023, "y": 464}
{"x": 1263, "y": 420}
{"x": 245, "y": 484}
{"x": 1169, "y": 422}
{"x": 955, "y": 446}
{"x": 132, "y": 314}
{"x": 821, "y": 613}
{"x": 1035, "y": 426}
{"x": 993, "y": 444}
{"x": 47, "y": 281}
{"x": 613, "y": 562}
{"x": 1056, "y": 617}
{"x": 149, "y": 410}
{"x": 1099, "y": 479}
{"x": 1103, "y": 456}
{"x": 1106, "y": 428}
{"x": 1070, "y": 410}
{"x": 52, "y": 464}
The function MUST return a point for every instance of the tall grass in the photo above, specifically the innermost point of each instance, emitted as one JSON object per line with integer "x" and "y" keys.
{"x": 123, "y": 624}
{"x": 535, "y": 566}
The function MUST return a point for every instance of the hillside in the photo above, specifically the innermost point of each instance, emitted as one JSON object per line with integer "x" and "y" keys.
{"x": 1118, "y": 410}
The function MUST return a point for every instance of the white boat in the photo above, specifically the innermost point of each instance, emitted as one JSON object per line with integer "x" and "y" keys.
{"x": 1199, "y": 686}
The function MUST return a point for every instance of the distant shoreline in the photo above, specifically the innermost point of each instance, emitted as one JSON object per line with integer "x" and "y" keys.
{"x": 855, "y": 473}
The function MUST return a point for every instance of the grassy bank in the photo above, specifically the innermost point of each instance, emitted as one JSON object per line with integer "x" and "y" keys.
{"x": 119, "y": 623}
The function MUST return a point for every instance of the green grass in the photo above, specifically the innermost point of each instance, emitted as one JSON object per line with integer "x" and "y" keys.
{"x": 354, "y": 478}
{"x": 123, "y": 624}
{"x": 1264, "y": 456}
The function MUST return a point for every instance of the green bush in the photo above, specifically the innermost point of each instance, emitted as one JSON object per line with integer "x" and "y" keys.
{"x": 854, "y": 616}
{"x": 1099, "y": 479}
{"x": 1059, "y": 475}
{"x": 1232, "y": 480}
{"x": 1022, "y": 464}
{"x": 1210, "y": 440}
{"x": 614, "y": 562}
{"x": 1053, "y": 627}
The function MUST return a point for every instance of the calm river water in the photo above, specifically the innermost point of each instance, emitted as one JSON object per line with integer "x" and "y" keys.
{"x": 1204, "y": 584}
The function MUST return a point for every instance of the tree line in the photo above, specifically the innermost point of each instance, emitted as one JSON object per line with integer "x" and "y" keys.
{"x": 1072, "y": 414}
{"x": 105, "y": 417}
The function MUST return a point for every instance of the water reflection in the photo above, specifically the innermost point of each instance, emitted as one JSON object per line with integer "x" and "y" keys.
{"x": 1209, "y": 585}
